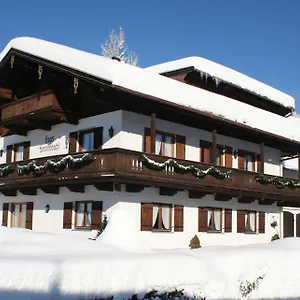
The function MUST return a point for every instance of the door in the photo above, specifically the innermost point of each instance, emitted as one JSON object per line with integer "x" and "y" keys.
{"x": 288, "y": 224}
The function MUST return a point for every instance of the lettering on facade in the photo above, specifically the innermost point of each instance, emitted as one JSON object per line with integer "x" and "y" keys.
{"x": 50, "y": 144}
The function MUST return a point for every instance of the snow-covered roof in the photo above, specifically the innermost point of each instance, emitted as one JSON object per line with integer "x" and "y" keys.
{"x": 222, "y": 73}
{"x": 147, "y": 82}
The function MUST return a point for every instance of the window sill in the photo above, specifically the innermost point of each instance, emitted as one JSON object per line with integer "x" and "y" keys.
{"x": 83, "y": 228}
{"x": 161, "y": 231}
{"x": 250, "y": 232}
{"x": 214, "y": 231}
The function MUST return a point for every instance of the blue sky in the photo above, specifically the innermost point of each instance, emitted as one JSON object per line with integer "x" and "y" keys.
{"x": 260, "y": 38}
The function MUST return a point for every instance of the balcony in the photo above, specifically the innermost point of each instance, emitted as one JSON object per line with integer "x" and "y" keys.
{"x": 106, "y": 167}
{"x": 33, "y": 112}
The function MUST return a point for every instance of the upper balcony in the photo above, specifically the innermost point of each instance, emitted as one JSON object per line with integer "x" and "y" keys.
{"x": 38, "y": 111}
{"x": 105, "y": 168}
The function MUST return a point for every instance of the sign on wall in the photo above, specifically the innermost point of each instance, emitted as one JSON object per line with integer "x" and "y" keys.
{"x": 51, "y": 144}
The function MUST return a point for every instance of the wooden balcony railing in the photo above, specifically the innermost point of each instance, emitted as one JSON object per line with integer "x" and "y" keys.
{"x": 119, "y": 165}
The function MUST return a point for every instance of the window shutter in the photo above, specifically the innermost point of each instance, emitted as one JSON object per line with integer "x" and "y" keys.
{"x": 202, "y": 219}
{"x": 4, "y": 214}
{"x": 228, "y": 157}
{"x": 240, "y": 221}
{"x": 258, "y": 163}
{"x": 241, "y": 159}
{"x": 29, "y": 211}
{"x": 205, "y": 152}
{"x": 72, "y": 142}
{"x": 178, "y": 218}
{"x": 146, "y": 216}
{"x": 228, "y": 220}
{"x": 96, "y": 214}
{"x": 26, "y": 150}
{"x": 180, "y": 146}
{"x": 9, "y": 153}
{"x": 98, "y": 138}
{"x": 147, "y": 140}
{"x": 261, "y": 222}
{"x": 67, "y": 222}
{"x": 298, "y": 225}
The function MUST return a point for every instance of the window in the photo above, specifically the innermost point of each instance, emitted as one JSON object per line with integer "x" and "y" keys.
{"x": 161, "y": 217}
{"x": 19, "y": 152}
{"x": 87, "y": 140}
{"x": 164, "y": 144}
{"x": 83, "y": 214}
{"x": 250, "y": 221}
{"x": 214, "y": 219}
{"x": 18, "y": 215}
{"x": 249, "y": 163}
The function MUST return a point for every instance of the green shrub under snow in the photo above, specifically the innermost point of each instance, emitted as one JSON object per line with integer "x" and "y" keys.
{"x": 195, "y": 242}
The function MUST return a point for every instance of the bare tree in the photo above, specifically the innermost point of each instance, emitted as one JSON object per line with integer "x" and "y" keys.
{"x": 116, "y": 46}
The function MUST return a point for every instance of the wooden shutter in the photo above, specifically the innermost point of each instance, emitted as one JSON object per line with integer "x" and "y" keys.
{"x": 67, "y": 221}
{"x": 26, "y": 150}
{"x": 146, "y": 216}
{"x": 147, "y": 140}
{"x": 29, "y": 211}
{"x": 4, "y": 214}
{"x": 98, "y": 138}
{"x": 240, "y": 221}
{"x": 228, "y": 157}
{"x": 261, "y": 222}
{"x": 96, "y": 214}
{"x": 178, "y": 218}
{"x": 241, "y": 159}
{"x": 202, "y": 219}
{"x": 72, "y": 142}
{"x": 298, "y": 225}
{"x": 180, "y": 146}
{"x": 228, "y": 220}
{"x": 258, "y": 163}
{"x": 205, "y": 152}
{"x": 9, "y": 153}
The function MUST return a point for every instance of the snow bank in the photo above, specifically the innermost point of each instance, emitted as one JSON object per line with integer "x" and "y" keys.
{"x": 47, "y": 266}
{"x": 222, "y": 73}
{"x": 147, "y": 82}
{"x": 122, "y": 232}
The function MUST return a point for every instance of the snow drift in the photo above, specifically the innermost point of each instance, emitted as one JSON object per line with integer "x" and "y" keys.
{"x": 69, "y": 266}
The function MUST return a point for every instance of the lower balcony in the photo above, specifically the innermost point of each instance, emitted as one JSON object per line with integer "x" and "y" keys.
{"x": 107, "y": 168}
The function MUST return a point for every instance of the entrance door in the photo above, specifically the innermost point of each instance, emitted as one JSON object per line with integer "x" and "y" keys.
{"x": 298, "y": 225}
{"x": 288, "y": 224}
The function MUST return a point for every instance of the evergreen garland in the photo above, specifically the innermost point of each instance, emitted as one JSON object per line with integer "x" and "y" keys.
{"x": 73, "y": 163}
{"x": 293, "y": 184}
{"x": 5, "y": 171}
{"x": 179, "y": 168}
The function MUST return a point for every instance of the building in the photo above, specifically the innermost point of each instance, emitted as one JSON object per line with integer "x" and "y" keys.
{"x": 187, "y": 147}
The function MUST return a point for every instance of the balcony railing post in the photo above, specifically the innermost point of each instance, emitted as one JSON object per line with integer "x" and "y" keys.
{"x": 262, "y": 157}
{"x": 153, "y": 132}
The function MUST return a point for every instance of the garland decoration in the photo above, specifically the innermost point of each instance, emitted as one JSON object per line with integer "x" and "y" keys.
{"x": 5, "y": 171}
{"x": 73, "y": 163}
{"x": 292, "y": 184}
{"x": 179, "y": 168}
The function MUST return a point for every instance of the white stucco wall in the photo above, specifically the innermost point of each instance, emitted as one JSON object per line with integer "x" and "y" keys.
{"x": 53, "y": 221}
{"x": 133, "y": 130}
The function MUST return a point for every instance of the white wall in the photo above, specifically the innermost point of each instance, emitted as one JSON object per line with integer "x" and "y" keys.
{"x": 133, "y": 130}
{"x": 53, "y": 221}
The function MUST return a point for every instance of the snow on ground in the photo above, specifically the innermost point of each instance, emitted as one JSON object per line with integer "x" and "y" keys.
{"x": 69, "y": 266}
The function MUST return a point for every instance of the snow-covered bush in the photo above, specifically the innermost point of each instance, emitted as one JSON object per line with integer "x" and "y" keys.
{"x": 275, "y": 237}
{"x": 195, "y": 242}
{"x": 246, "y": 287}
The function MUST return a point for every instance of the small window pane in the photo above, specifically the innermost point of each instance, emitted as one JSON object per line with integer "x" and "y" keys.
{"x": 88, "y": 141}
{"x": 168, "y": 145}
{"x": 218, "y": 154}
{"x": 80, "y": 214}
{"x": 217, "y": 219}
{"x": 16, "y": 215}
{"x": 158, "y": 144}
{"x": 248, "y": 163}
{"x": 165, "y": 217}
{"x": 19, "y": 153}
{"x": 88, "y": 214}
{"x": 23, "y": 216}
{"x": 155, "y": 217}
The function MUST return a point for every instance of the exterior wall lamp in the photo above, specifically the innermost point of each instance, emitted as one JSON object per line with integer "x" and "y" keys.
{"x": 111, "y": 132}
{"x": 47, "y": 208}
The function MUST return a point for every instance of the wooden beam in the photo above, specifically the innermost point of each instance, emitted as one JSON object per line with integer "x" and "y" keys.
{"x": 17, "y": 129}
{"x": 28, "y": 191}
{"x": 105, "y": 186}
{"x": 51, "y": 189}
{"x": 246, "y": 199}
{"x": 9, "y": 192}
{"x": 134, "y": 188}
{"x": 43, "y": 125}
{"x": 76, "y": 188}
{"x": 196, "y": 194}
{"x": 167, "y": 191}
{"x": 223, "y": 197}
{"x": 266, "y": 201}
{"x": 153, "y": 132}
{"x": 262, "y": 157}
{"x": 214, "y": 146}
{"x": 289, "y": 203}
